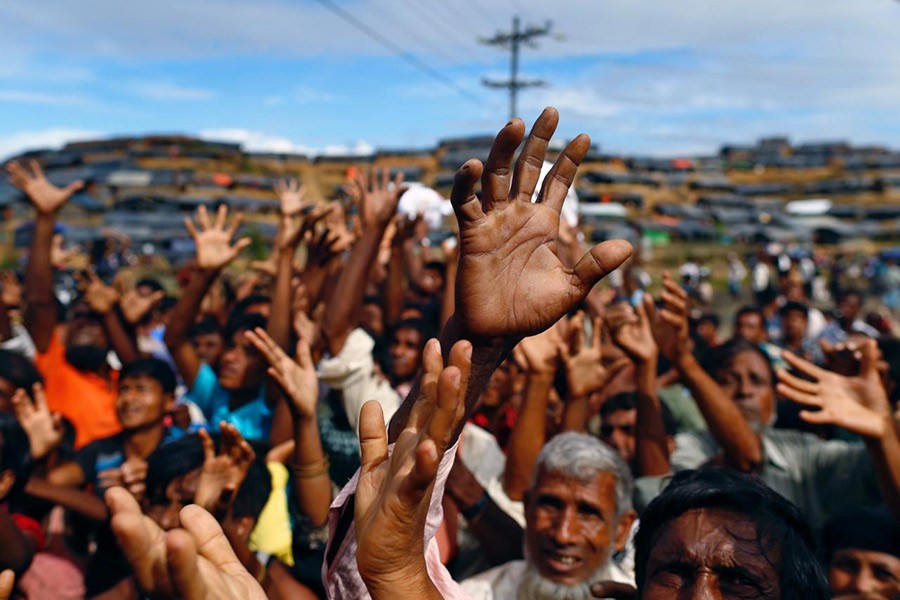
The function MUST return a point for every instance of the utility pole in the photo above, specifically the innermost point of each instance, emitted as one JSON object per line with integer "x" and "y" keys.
{"x": 512, "y": 40}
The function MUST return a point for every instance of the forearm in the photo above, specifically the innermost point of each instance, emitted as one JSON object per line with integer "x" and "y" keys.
{"x": 652, "y": 452}
{"x": 185, "y": 311}
{"x": 395, "y": 288}
{"x": 885, "y": 453}
{"x": 279, "y": 324}
{"x": 741, "y": 445}
{"x": 411, "y": 583}
{"x": 40, "y": 312}
{"x": 412, "y": 261}
{"x": 341, "y": 315}
{"x": 84, "y": 503}
{"x": 575, "y": 414}
{"x": 121, "y": 340}
{"x": 448, "y": 306}
{"x": 313, "y": 488}
{"x": 527, "y": 437}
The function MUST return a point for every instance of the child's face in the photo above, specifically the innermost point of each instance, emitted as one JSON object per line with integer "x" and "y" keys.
{"x": 141, "y": 402}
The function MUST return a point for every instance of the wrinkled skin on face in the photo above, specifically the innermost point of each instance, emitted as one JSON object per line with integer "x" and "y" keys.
{"x": 747, "y": 381}
{"x": 571, "y": 526}
{"x": 710, "y": 553}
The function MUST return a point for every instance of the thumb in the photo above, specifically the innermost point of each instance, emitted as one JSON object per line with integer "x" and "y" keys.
{"x": 73, "y": 187}
{"x": 373, "y": 446}
{"x": 600, "y": 261}
{"x": 868, "y": 364}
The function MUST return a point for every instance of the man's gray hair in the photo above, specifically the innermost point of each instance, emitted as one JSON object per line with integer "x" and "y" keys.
{"x": 582, "y": 457}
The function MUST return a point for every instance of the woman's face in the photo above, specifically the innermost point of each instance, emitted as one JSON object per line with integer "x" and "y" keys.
{"x": 748, "y": 382}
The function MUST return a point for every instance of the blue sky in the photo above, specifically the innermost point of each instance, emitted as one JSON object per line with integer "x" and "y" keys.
{"x": 645, "y": 77}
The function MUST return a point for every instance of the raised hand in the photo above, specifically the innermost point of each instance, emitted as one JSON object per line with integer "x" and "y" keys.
{"x": 670, "y": 324}
{"x": 134, "y": 476}
{"x": 631, "y": 331}
{"x": 394, "y": 492}
{"x": 291, "y": 196}
{"x": 11, "y": 294}
{"x": 858, "y": 404}
{"x": 222, "y": 474}
{"x": 196, "y": 562}
{"x": 60, "y": 257}
{"x": 213, "y": 241}
{"x": 511, "y": 282}
{"x": 101, "y": 298}
{"x": 585, "y": 373}
{"x": 135, "y": 307}
{"x": 379, "y": 203}
{"x": 43, "y": 428}
{"x": 296, "y": 378}
{"x": 540, "y": 353}
{"x": 46, "y": 197}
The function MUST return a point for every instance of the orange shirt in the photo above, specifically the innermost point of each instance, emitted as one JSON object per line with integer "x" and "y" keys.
{"x": 85, "y": 399}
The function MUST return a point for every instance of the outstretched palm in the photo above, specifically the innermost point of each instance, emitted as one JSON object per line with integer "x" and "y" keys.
{"x": 46, "y": 197}
{"x": 213, "y": 241}
{"x": 511, "y": 282}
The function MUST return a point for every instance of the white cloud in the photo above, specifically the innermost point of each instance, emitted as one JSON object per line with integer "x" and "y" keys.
{"x": 259, "y": 141}
{"x": 29, "y": 97}
{"x": 20, "y": 141}
{"x": 166, "y": 90}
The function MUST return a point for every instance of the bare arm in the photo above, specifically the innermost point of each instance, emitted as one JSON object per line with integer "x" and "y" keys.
{"x": 16, "y": 550}
{"x": 378, "y": 207}
{"x": 40, "y": 314}
{"x": 528, "y": 436}
{"x": 84, "y": 503}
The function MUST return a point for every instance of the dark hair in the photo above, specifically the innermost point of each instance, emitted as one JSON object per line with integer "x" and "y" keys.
{"x": 419, "y": 325}
{"x": 205, "y": 326}
{"x": 249, "y": 301}
{"x": 866, "y": 528}
{"x": 436, "y": 265}
{"x": 242, "y": 322}
{"x": 150, "y": 283}
{"x": 15, "y": 454}
{"x": 167, "y": 304}
{"x": 709, "y": 317}
{"x": 749, "y": 310}
{"x": 628, "y": 401}
{"x": 851, "y": 292}
{"x": 795, "y": 307}
{"x": 725, "y": 354}
{"x": 18, "y": 370}
{"x": 781, "y": 530}
{"x": 184, "y": 455}
{"x": 153, "y": 368}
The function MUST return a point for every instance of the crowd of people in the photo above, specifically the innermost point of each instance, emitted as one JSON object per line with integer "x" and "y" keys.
{"x": 357, "y": 419}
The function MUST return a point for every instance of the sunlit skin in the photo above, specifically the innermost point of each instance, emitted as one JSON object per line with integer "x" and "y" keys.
{"x": 617, "y": 431}
{"x": 571, "y": 527}
{"x": 750, "y": 327}
{"x": 141, "y": 402}
{"x": 710, "y": 553}
{"x": 406, "y": 352}
{"x": 864, "y": 572}
{"x": 241, "y": 366}
{"x": 747, "y": 381}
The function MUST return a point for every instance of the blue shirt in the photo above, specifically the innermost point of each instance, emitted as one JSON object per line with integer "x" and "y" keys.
{"x": 252, "y": 420}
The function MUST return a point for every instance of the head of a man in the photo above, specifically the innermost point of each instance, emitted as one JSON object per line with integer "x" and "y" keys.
{"x": 743, "y": 371}
{"x": 146, "y": 394}
{"x": 407, "y": 342}
{"x": 16, "y": 372}
{"x": 241, "y": 366}
{"x": 849, "y": 306}
{"x": 206, "y": 338}
{"x": 718, "y": 533}
{"x": 86, "y": 341}
{"x": 863, "y": 554}
{"x": 794, "y": 321}
{"x": 577, "y": 513}
{"x": 618, "y": 423}
{"x": 173, "y": 474}
{"x": 749, "y": 324}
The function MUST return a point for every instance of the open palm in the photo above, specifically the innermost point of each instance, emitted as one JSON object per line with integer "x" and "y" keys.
{"x": 511, "y": 282}
{"x": 46, "y": 197}
{"x": 213, "y": 241}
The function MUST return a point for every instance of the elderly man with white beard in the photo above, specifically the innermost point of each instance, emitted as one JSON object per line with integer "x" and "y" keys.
{"x": 578, "y": 514}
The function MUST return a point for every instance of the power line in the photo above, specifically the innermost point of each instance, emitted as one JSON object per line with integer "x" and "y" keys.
{"x": 447, "y": 31}
{"x": 398, "y": 50}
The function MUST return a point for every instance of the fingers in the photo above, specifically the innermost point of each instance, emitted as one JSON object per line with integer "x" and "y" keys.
{"x": 373, "y": 446}
{"x": 424, "y": 472}
{"x": 304, "y": 355}
{"x": 235, "y": 222}
{"x": 209, "y": 449}
{"x": 203, "y": 217}
{"x": 443, "y": 419}
{"x": 221, "y": 216}
{"x": 576, "y": 333}
{"x": 616, "y": 367}
{"x": 528, "y": 166}
{"x": 432, "y": 364}
{"x": 601, "y": 260}
{"x": 22, "y": 405}
{"x": 73, "y": 187}
{"x": 140, "y": 538}
{"x": 7, "y": 580}
{"x": 559, "y": 178}
{"x": 208, "y": 535}
{"x": 596, "y": 333}
{"x": 189, "y": 225}
{"x": 868, "y": 363}
{"x": 181, "y": 555}
{"x": 496, "y": 177}
{"x": 795, "y": 382}
{"x": 36, "y": 169}
{"x": 462, "y": 196}
{"x": 803, "y": 366}
{"x": 611, "y": 589}
{"x": 795, "y": 395}
{"x": 816, "y": 417}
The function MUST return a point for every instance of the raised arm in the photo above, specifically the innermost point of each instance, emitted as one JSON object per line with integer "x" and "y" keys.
{"x": 630, "y": 329}
{"x": 741, "y": 445}
{"x": 104, "y": 300}
{"x": 510, "y": 282}
{"x": 214, "y": 252}
{"x": 47, "y": 199}
{"x": 379, "y": 204}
